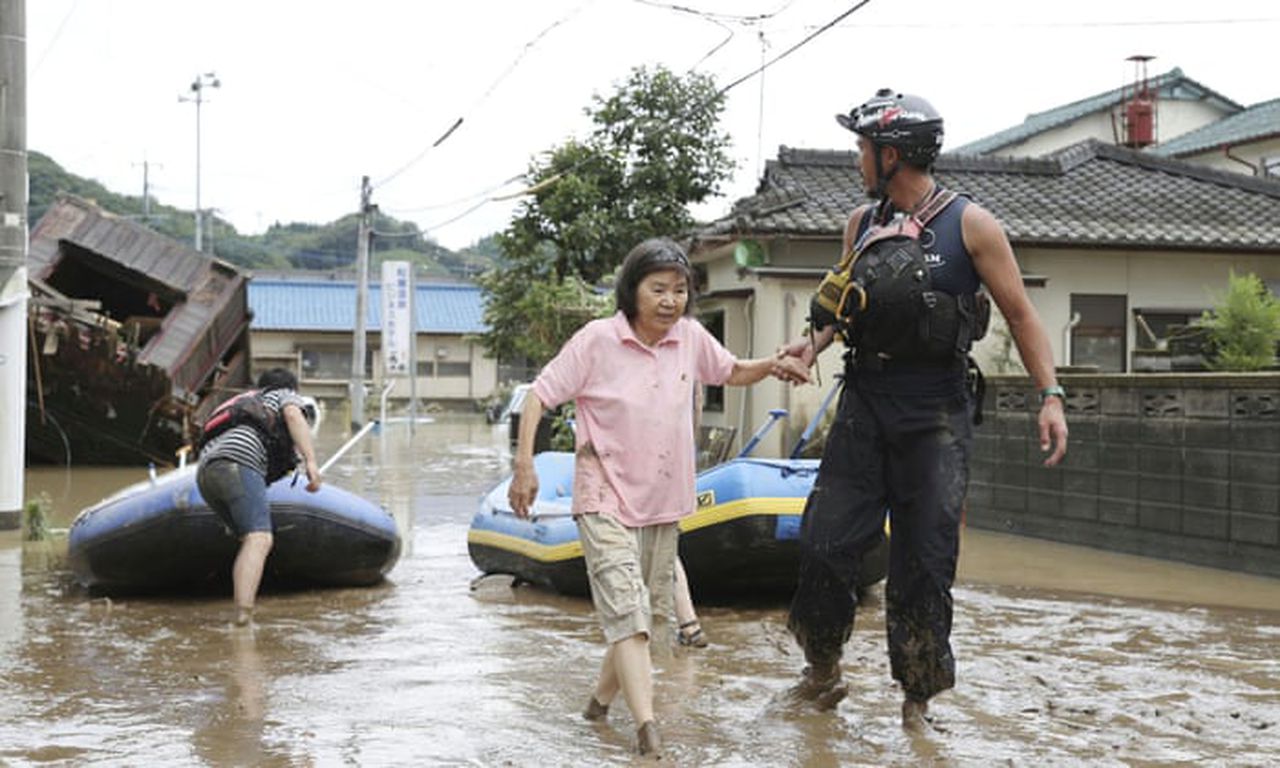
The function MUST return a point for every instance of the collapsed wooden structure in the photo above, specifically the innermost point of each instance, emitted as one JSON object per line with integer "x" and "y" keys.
{"x": 133, "y": 337}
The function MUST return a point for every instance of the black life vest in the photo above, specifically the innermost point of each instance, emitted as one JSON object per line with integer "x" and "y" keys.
{"x": 882, "y": 300}
{"x": 249, "y": 408}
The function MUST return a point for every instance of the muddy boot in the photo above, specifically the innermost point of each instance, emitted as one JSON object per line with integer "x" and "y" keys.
{"x": 915, "y": 714}
{"x": 648, "y": 742}
{"x": 595, "y": 710}
{"x": 820, "y": 685}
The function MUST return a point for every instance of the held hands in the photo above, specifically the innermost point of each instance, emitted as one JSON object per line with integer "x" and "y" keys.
{"x": 789, "y": 369}
{"x": 791, "y": 362}
{"x": 523, "y": 489}
{"x": 1053, "y": 430}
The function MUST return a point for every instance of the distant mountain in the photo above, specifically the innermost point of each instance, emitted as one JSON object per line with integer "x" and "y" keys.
{"x": 329, "y": 246}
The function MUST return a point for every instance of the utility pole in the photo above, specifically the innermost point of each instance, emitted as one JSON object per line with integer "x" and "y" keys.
{"x": 202, "y": 81}
{"x": 213, "y": 228}
{"x": 13, "y": 259}
{"x": 146, "y": 189}
{"x": 363, "y": 235}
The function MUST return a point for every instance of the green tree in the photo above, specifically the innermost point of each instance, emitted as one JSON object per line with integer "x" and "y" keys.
{"x": 1244, "y": 325}
{"x": 655, "y": 150}
{"x": 531, "y": 320}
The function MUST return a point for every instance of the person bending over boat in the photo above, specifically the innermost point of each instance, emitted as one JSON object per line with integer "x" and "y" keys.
{"x": 631, "y": 377}
{"x": 237, "y": 465}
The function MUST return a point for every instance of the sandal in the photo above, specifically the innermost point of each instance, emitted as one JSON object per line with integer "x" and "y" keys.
{"x": 696, "y": 638}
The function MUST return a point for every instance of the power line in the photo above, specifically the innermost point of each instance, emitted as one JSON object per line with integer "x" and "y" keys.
{"x": 696, "y": 108}
{"x": 462, "y": 215}
{"x": 56, "y": 36}
{"x": 717, "y": 46}
{"x": 484, "y": 96}
{"x": 718, "y": 19}
{"x": 807, "y": 39}
{"x": 752, "y": 19}
{"x": 457, "y": 201}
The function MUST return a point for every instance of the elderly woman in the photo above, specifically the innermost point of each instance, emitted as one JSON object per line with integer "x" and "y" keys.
{"x": 632, "y": 378}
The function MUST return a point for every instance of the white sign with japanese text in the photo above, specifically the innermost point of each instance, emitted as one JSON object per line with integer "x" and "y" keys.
{"x": 397, "y": 323}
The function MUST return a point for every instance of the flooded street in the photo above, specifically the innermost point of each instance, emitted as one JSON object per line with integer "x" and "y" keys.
{"x": 1065, "y": 656}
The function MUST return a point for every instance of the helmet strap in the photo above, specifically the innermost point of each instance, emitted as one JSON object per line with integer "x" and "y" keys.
{"x": 883, "y": 177}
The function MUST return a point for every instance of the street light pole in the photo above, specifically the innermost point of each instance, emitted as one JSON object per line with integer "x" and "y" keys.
{"x": 202, "y": 81}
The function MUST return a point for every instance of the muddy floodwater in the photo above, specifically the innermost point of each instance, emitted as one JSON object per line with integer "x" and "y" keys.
{"x": 1066, "y": 656}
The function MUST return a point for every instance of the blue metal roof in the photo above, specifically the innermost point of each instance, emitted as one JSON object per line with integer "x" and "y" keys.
{"x": 1171, "y": 85}
{"x": 1261, "y": 121}
{"x": 323, "y": 305}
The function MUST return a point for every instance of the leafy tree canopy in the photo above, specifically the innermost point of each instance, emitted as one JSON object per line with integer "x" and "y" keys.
{"x": 655, "y": 150}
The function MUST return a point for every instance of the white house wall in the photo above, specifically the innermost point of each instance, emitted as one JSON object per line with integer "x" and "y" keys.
{"x": 776, "y": 314}
{"x": 1252, "y": 154}
{"x": 272, "y": 348}
{"x": 1096, "y": 125}
{"x": 1179, "y": 280}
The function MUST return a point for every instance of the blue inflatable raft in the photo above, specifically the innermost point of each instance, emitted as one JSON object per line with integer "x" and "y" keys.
{"x": 743, "y": 537}
{"x": 159, "y": 535}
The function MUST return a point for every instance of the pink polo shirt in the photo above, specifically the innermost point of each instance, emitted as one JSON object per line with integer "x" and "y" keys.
{"x": 635, "y": 409}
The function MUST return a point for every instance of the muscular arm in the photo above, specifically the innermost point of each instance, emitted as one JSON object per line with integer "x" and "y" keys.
{"x": 301, "y": 436}
{"x": 993, "y": 259}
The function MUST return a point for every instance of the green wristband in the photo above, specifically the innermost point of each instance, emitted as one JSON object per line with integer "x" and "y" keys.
{"x": 1054, "y": 391}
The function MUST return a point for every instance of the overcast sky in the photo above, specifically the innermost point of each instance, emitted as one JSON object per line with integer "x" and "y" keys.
{"x": 316, "y": 93}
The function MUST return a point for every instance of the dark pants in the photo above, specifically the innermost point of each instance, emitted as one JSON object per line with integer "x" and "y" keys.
{"x": 908, "y": 453}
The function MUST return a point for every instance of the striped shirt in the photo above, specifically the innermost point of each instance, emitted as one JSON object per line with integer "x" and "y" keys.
{"x": 243, "y": 444}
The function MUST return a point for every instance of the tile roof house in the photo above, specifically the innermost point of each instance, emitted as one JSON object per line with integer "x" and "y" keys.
{"x": 307, "y": 323}
{"x": 1182, "y": 105}
{"x": 1103, "y": 234}
{"x": 1246, "y": 142}
{"x": 1191, "y": 122}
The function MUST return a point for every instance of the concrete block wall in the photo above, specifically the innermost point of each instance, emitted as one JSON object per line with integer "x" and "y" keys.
{"x": 1183, "y": 467}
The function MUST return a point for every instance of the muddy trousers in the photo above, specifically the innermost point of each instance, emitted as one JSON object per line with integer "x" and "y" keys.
{"x": 907, "y": 454}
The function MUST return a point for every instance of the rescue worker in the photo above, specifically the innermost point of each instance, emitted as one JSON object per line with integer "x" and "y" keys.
{"x": 902, "y": 434}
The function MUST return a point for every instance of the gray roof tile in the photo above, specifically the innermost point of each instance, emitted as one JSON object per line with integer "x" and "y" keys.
{"x": 1261, "y": 121}
{"x": 1171, "y": 85}
{"x": 1089, "y": 194}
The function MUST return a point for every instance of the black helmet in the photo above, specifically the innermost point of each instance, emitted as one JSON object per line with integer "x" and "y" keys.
{"x": 899, "y": 120}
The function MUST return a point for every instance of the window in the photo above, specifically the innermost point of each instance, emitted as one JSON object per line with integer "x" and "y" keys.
{"x": 1099, "y": 338}
{"x": 331, "y": 362}
{"x": 713, "y": 398}
{"x": 453, "y": 369}
{"x": 1270, "y": 166}
{"x": 1152, "y": 327}
{"x": 441, "y": 368}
